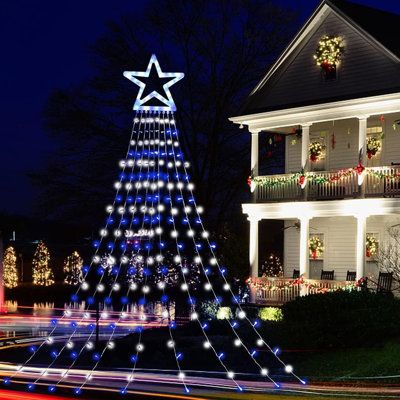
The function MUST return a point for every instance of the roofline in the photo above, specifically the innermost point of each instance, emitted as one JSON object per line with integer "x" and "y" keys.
{"x": 344, "y": 109}
{"x": 307, "y": 27}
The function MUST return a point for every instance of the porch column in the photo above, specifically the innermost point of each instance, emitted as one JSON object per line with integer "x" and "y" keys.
{"x": 362, "y": 150}
{"x": 304, "y": 257}
{"x": 253, "y": 255}
{"x": 305, "y": 143}
{"x": 254, "y": 153}
{"x": 360, "y": 245}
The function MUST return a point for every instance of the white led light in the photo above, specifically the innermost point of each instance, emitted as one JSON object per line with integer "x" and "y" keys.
{"x": 89, "y": 345}
{"x": 143, "y": 209}
{"x": 174, "y": 234}
{"x": 124, "y": 259}
{"x": 185, "y": 270}
{"x": 139, "y": 347}
{"x": 230, "y": 374}
{"x": 88, "y": 376}
{"x": 181, "y": 375}
{"x": 190, "y": 232}
{"x": 110, "y": 345}
{"x": 116, "y": 287}
{"x": 161, "y": 162}
{"x": 184, "y": 286}
{"x": 152, "y": 210}
{"x": 194, "y": 316}
{"x": 133, "y": 142}
{"x": 110, "y": 209}
{"x": 207, "y": 344}
{"x": 188, "y": 209}
{"x": 241, "y": 314}
{"x": 84, "y": 285}
{"x": 177, "y": 259}
{"x": 174, "y": 211}
{"x": 69, "y": 345}
{"x": 140, "y": 142}
{"x": 205, "y": 234}
{"x": 158, "y": 230}
{"x": 161, "y": 207}
{"x": 133, "y": 286}
{"x": 128, "y": 186}
{"x": 138, "y": 185}
{"x": 117, "y": 233}
{"x": 197, "y": 259}
{"x": 170, "y": 164}
{"x": 179, "y": 185}
{"x": 146, "y": 142}
{"x": 160, "y": 184}
{"x": 170, "y": 344}
{"x": 130, "y": 163}
{"x": 146, "y": 184}
{"x": 64, "y": 374}
{"x": 122, "y": 163}
{"x": 190, "y": 186}
{"x": 132, "y": 209}
{"x": 100, "y": 287}
{"x": 117, "y": 185}
{"x": 213, "y": 261}
{"x": 153, "y": 186}
{"x": 161, "y": 285}
{"x": 159, "y": 257}
{"x": 200, "y": 209}
{"x": 264, "y": 372}
{"x": 170, "y": 186}
{"x": 67, "y": 313}
{"x": 186, "y": 164}
{"x": 145, "y": 289}
{"x": 150, "y": 260}
{"x": 130, "y": 378}
{"x": 121, "y": 210}
{"x": 288, "y": 369}
{"x": 96, "y": 259}
{"x": 123, "y": 315}
{"x": 226, "y": 286}
{"x": 237, "y": 342}
{"x": 207, "y": 286}
{"x": 49, "y": 340}
{"x": 260, "y": 342}
{"x": 165, "y": 314}
{"x": 86, "y": 315}
{"x": 169, "y": 141}
{"x": 103, "y": 232}
{"x": 162, "y": 143}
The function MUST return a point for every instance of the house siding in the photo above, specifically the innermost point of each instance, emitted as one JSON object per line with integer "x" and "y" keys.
{"x": 365, "y": 68}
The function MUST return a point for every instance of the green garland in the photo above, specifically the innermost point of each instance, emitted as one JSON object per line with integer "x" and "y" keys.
{"x": 272, "y": 182}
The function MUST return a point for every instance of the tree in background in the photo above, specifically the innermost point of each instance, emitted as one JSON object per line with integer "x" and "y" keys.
{"x": 42, "y": 273}
{"x": 10, "y": 274}
{"x": 224, "y": 48}
{"x": 272, "y": 267}
{"x": 73, "y": 269}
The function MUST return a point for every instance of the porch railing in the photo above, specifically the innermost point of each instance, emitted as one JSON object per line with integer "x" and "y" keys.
{"x": 277, "y": 291}
{"x": 325, "y": 185}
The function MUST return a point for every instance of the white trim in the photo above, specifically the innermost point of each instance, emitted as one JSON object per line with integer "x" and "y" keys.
{"x": 330, "y": 208}
{"x": 345, "y": 109}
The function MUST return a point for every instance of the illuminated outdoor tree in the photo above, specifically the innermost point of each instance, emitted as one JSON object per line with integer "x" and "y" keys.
{"x": 10, "y": 268}
{"x": 42, "y": 274}
{"x": 73, "y": 269}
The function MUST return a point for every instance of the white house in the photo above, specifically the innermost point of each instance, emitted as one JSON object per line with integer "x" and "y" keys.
{"x": 334, "y": 97}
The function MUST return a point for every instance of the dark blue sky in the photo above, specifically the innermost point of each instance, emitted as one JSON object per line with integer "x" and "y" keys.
{"x": 44, "y": 45}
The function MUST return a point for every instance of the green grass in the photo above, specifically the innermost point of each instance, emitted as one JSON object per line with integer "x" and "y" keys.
{"x": 352, "y": 363}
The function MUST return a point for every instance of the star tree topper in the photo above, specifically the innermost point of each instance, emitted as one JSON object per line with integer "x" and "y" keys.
{"x": 140, "y": 103}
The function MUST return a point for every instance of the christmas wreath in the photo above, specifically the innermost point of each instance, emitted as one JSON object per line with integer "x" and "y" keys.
{"x": 373, "y": 146}
{"x": 371, "y": 246}
{"x": 329, "y": 52}
{"x": 316, "y": 247}
{"x": 316, "y": 150}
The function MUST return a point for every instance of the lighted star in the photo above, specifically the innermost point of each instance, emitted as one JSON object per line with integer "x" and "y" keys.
{"x": 141, "y": 100}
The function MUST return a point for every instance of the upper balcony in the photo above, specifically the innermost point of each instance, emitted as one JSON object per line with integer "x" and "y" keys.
{"x": 333, "y": 185}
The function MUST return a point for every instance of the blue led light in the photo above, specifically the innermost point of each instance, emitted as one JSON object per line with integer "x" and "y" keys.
{"x": 77, "y": 391}
{"x": 52, "y": 388}
{"x": 133, "y": 358}
{"x": 90, "y": 300}
{"x": 123, "y": 391}
{"x": 74, "y": 298}
{"x": 74, "y": 355}
{"x": 142, "y": 301}
{"x": 96, "y": 356}
{"x": 53, "y": 354}
{"x": 85, "y": 269}
{"x": 53, "y": 322}
{"x": 112, "y": 326}
{"x": 30, "y": 386}
{"x": 124, "y": 300}
{"x": 32, "y": 349}
{"x": 179, "y": 356}
{"x": 107, "y": 301}
{"x": 100, "y": 270}
{"x": 6, "y": 381}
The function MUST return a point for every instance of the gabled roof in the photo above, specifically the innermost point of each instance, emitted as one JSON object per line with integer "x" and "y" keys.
{"x": 380, "y": 28}
{"x": 381, "y": 25}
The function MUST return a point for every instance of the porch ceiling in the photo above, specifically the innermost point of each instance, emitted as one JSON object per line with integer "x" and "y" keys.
{"x": 330, "y": 208}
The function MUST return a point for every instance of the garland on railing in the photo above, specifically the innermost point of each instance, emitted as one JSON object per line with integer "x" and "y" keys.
{"x": 257, "y": 284}
{"x": 303, "y": 177}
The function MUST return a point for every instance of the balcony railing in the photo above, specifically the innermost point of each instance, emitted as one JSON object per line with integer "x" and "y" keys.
{"x": 277, "y": 291}
{"x": 326, "y": 185}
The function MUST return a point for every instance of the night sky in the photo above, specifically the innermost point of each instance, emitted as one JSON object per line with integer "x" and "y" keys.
{"x": 44, "y": 45}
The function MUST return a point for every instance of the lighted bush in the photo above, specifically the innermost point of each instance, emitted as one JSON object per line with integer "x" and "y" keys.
{"x": 270, "y": 314}
{"x": 224, "y": 313}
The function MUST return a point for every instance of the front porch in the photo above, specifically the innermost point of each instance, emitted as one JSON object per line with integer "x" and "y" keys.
{"x": 345, "y": 230}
